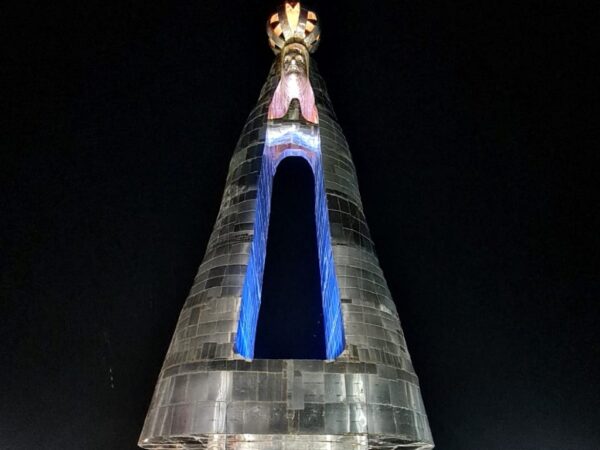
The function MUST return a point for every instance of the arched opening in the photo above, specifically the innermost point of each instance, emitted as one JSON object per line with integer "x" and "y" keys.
{"x": 290, "y": 321}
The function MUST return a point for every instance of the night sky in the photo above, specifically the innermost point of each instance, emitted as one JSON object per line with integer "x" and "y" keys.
{"x": 474, "y": 137}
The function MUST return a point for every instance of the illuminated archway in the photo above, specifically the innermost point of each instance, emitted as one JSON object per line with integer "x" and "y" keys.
{"x": 284, "y": 140}
{"x": 290, "y": 321}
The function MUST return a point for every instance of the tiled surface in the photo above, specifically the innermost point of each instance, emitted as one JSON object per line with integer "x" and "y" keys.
{"x": 207, "y": 397}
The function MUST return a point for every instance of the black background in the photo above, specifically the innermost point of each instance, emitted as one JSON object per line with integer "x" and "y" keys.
{"x": 474, "y": 139}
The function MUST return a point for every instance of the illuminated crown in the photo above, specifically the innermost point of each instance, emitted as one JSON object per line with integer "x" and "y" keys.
{"x": 293, "y": 23}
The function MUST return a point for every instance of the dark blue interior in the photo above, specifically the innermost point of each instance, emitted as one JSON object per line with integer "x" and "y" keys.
{"x": 290, "y": 321}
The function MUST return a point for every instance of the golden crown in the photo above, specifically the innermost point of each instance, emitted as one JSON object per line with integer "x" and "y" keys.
{"x": 293, "y": 23}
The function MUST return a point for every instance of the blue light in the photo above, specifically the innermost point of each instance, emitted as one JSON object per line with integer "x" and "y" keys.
{"x": 302, "y": 141}
{"x": 332, "y": 308}
{"x": 251, "y": 290}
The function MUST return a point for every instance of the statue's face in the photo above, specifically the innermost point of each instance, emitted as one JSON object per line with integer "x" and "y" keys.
{"x": 294, "y": 61}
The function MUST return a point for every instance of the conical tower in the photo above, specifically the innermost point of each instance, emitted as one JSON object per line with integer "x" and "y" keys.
{"x": 211, "y": 392}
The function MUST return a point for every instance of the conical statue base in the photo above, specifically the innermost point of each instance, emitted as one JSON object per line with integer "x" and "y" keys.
{"x": 211, "y": 393}
{"x": 285, "y": 404}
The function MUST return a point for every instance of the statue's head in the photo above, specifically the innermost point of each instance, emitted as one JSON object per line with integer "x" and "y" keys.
{"x": 294, "y": 60}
